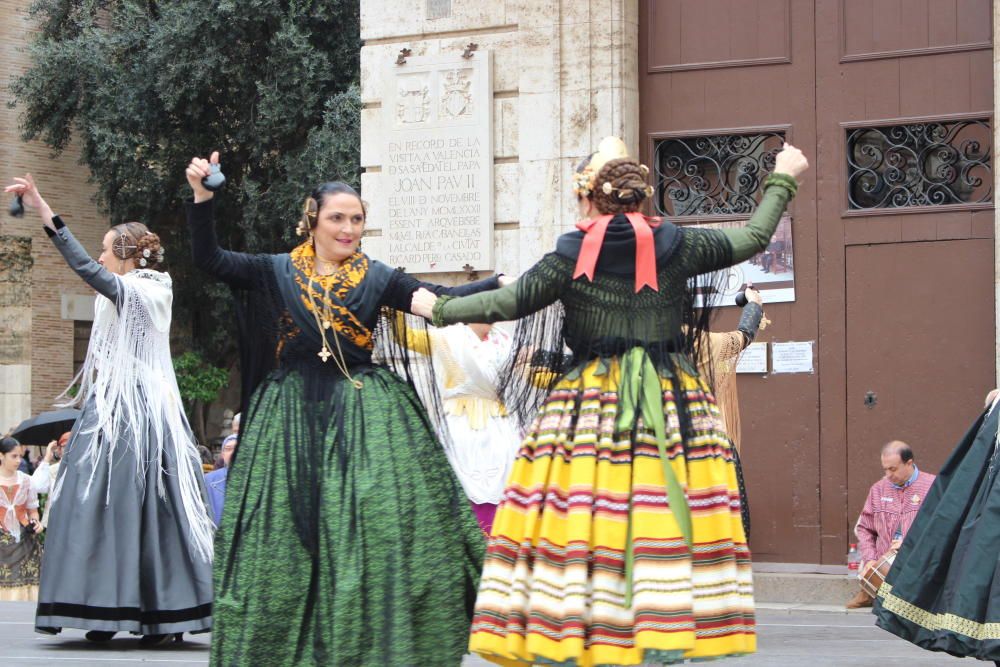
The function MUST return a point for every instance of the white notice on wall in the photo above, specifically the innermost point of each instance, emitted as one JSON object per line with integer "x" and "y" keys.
{"x": 794, "y": 357}
{"x": 753, "y": 359}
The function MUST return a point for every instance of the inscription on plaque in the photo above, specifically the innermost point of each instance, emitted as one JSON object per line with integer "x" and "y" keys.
{"x": 437, "y": 164}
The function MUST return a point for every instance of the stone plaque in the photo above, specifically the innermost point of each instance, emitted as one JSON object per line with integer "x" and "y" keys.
{"x": 437, "y": 163}
{"x": 438, "y": 9}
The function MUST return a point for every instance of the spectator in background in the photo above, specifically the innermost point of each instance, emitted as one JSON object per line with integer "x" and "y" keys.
{"x": 890, "y": 509}
{"x": 219, "y": 462}
{"x": 20, "y": 551}
{"x": 43, "y": 480}
{"x": 215, "y": 481}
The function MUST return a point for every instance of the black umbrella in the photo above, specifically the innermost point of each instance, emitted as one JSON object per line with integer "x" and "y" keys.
{"x": 45, "y": 427}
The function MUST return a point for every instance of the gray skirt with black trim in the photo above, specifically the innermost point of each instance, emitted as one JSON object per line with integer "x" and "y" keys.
{"x": 120, "y": 558}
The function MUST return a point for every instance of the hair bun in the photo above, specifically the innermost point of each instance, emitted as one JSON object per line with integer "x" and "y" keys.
{"x": 149, "y": 251}
{"x": 621, "y": 187}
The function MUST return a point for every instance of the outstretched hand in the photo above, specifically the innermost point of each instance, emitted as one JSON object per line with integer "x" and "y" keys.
{"x": 198, "y": 169}
{"x": 423, "y": 303}
{"x": 791, "y": 161}
{"x": 27, "y": 190}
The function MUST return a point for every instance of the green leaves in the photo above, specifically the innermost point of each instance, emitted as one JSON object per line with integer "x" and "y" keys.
{"x": 144, "y": 86}
{"x": 197, "y": 380}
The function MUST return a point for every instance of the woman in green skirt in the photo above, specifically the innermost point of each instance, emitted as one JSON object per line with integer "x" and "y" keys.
{"x": 345, "y": 538}
{"x": 943, "y": 591}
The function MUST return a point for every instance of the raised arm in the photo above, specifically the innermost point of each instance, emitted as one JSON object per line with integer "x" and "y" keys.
{"x": 106, "y": 283}
{"x": 234, "y": 268}
{"x": 95, "y": 275}
{"x": 706, "y": 250}
{"x": 540, "y": 286}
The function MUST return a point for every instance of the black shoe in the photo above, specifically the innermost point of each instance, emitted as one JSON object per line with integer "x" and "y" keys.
{"x": 99, "y": 636}
{"x": 148, "y": 641}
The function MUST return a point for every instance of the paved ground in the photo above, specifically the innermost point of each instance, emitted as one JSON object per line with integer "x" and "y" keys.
{"x": 790, "y": 636}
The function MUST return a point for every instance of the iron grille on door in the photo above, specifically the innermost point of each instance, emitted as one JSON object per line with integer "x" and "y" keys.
{"x": 936, "y": 163}
{"x": 713, "y": 175}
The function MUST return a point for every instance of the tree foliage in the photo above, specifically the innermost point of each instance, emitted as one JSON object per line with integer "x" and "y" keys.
{"x": 199, "y": 384}
{"x": 144, "y": 86}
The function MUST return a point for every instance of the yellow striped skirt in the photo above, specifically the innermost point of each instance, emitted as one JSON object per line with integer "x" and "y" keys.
{"x": 554, "y": 586}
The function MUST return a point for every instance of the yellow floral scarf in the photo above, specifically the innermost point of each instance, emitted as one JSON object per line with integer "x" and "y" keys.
{"x": 339, "y": 284}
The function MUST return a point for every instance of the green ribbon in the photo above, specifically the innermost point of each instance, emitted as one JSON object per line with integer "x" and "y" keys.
{"x": 640, "y": 392}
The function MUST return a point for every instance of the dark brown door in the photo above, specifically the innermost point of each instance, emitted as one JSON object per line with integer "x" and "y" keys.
{"x": 904, "y": 91}
{"x": 842, "y": 79}
{"x": 716, "y": 71}
{"x": 908, "y": 306}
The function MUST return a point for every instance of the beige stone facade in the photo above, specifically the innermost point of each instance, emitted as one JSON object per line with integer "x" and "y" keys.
{"x": 39, "y": 296}
{"x": 564, "y": 76}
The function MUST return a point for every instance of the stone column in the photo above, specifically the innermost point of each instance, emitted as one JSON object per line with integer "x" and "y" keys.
{"x": 565, "y": 75}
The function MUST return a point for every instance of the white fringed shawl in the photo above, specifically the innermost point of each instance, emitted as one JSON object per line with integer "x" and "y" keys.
{"x": 130, "y": 374}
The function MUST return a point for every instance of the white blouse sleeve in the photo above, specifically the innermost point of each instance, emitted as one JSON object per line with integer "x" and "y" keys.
{"x": 41, "y": 479}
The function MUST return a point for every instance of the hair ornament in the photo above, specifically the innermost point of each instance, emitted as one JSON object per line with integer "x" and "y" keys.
{"x": 142, "y": 261}
{"x": 610, "y": 148}
{"x": 608, "y": 188}
{"x": 123, "y": 246}
{"x": 644, "y": 170}
{"x": 146, "y": 253}
{"x": 308, "y": 220}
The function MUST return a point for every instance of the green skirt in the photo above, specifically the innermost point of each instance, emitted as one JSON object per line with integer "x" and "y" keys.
{"x": 346, "y": 538}
{"x": 943, "y": 591}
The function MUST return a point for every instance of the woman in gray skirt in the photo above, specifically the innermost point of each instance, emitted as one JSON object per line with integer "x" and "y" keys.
{"x": 129, "y": 547}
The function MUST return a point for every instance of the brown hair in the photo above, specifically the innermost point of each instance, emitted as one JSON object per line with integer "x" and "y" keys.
{"x": 620, "y": 186}
{"x": 133, "y": 240}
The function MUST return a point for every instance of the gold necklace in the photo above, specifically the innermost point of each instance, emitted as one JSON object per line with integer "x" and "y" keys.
{"x": 323, "y": 314}
{"x": 329, "y": 265}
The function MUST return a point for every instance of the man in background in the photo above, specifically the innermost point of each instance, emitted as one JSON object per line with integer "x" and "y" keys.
{"x": 891, "y": 507}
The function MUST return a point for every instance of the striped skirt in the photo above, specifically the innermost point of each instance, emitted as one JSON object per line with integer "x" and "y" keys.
{"x": 555, "y": 586}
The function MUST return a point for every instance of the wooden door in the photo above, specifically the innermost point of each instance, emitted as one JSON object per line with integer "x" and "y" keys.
{"x": 904, "y": 93}
{"x": 729, "y": 79}
{"x": 919, "y": 327}
{"x": 841, "y": 79}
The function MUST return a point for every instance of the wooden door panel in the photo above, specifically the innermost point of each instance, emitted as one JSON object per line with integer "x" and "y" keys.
{"x": 920, "y": 336}
{"x": 890, "y": 28}
{"x": 698, "y": 34}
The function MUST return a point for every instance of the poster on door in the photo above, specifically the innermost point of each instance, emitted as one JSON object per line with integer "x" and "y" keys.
{"x": 772, "y": 271}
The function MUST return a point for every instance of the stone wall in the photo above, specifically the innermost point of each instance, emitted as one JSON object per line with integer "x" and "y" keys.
{"x": 565, "y": 75}
{"x": 44, "y": 363}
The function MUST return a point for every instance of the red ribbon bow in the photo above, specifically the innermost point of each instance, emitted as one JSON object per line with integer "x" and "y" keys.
{"x": 645, "y": 255}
